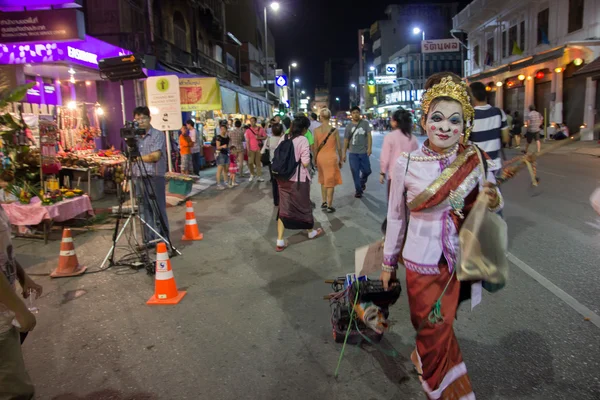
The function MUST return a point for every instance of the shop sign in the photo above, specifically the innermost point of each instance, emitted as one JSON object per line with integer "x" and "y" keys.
{"x": 200, "y": 94}
{"x": 163, "y": 102}
{"x": 440, "y": 46}
{"x": 45, "y": 25}
{"x": 86, "y": 52}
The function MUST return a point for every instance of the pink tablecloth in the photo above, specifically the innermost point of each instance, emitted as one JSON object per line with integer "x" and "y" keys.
{"x": 34, "y": 213}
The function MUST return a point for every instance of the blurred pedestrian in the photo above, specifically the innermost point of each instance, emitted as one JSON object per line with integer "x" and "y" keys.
{"x": 185, "y": 150}
{"x": 358, "y": 143}
{"x": 517, "y": 127}
{"x": 236, "y": 139}
{"x": 196, "y": 139}
{"x": 270, "y": 146}
{"x": 295, "y": 210}
{"x": 222, "y": 155}
{"x": 233, "y": 167}
{"x": 254, "y": 134}
{"x": 534, "y": 127}
{"x": 400, "y": 140}
{"x": 15, "y": 318}
{"x": 314, "y": 123}
{"x": 328, "y": 157}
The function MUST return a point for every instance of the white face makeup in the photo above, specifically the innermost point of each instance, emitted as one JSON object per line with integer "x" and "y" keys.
{"x": 444, "y": 124}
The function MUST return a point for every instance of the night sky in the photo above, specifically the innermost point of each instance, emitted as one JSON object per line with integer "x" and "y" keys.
{"x": 311, "y": 31}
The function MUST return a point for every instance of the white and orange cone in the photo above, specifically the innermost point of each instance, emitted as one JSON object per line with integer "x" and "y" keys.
{"x": 191, "y": 231}
{"x": 165, "y": 288}
{"x": 68, "y": 265}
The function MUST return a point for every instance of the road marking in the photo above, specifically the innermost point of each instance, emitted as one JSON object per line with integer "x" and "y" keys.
{"x": 558, "y": 292}
{"x": 550, "y": 173}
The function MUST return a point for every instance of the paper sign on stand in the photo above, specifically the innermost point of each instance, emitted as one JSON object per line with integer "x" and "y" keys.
{"x": 165, "y": 106}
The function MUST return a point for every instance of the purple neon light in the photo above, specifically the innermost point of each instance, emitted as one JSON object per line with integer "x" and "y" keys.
{"x": 11, "y": 5}
{"x": 83, "y": 52}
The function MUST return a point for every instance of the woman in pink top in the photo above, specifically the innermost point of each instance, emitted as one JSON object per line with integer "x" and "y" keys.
{"x": 399, "y": 141}
{"x": 295, "y": 208}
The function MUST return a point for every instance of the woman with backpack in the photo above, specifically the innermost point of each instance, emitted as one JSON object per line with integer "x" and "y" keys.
{"x": 295, "y": 210}
{"x": 328, "y": 158}
{"x": 270, "y": 146}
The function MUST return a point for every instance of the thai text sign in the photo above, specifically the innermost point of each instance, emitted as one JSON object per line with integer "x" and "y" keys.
{"x": 163, "y": 100}
{"x": 440, "y": 46}
{"x": 199, "y": 94}
{"x": 47, "y": 25}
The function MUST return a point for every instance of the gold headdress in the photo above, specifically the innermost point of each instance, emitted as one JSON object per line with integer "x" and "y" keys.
{"x": 457, "y": 91}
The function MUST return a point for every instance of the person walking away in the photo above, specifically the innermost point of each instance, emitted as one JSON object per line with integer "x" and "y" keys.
{"x": 185, "y": 149}
{"x": 358, "y": 143}
{"x": 295, "y": 210}
{"x": 236, "y": 140}
{"x": 534, "y": 124}
{"x": 222, "y": 155}
{"x": 15, "y": 319}
{"x": 431, "y": 189}
{"x": 488, "y": 126}
{"x": 328, "y": 157}
{"x": 233, "y": 167}
{"x": 254, "y": 133}
{"x": 196, "y": 139}
{"x": 509, "y": 124}
{"x": 153, "y": 152}
{"x": 270, "y": 146}
{"x": 517, "y": 127}
{"x": 399, "y": 140}
{"x": 314, "y": 123}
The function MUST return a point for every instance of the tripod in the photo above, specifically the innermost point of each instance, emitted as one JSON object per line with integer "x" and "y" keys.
{"x": 146, "y": 191}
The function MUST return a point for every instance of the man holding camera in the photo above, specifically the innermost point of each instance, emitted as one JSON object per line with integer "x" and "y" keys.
{"x": 152, "y": 147}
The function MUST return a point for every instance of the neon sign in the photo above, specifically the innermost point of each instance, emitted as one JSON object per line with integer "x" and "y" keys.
{"x": 82, "y": 55}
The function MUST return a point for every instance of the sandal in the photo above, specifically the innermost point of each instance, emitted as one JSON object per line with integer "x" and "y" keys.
{"x": 330, "y": 210}
{"x": 320, "y": 232}
{"x": 324, "y": 205}
{"x": 279, "y": 249}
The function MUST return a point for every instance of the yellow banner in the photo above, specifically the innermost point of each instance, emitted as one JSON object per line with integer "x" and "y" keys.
{"x": 199, "y": 94}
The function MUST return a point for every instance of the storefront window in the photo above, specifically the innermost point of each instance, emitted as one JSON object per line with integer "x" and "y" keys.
{"x": 490, "y": 51}
{"x": 512, "y": 37}
{"x": 522, "y": 37}
{"x": 504, "y": 44}
{"x": 476, "y": 55}
{"x": 575, "y": 15}
{"x": 542, "y": 24}
{"x": 179, "y": 31}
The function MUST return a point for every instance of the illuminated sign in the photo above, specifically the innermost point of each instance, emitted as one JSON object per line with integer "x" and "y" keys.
{"x": 440, "y": 46}
{"x": 82, "y": 55}
{"x": 391, "y": 69}
{"x": 385, "y": 79}
{"x": 281, "y": 80}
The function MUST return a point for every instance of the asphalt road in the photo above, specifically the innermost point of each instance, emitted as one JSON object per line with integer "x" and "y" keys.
{"x": 254, "y": 326}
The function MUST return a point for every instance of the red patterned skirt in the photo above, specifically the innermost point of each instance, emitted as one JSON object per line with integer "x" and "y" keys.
{"x": 444, "y": 372}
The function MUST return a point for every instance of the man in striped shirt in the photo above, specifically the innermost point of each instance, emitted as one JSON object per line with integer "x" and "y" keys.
{"x": 534, "y": 123}
{"x": 488, "y": 126}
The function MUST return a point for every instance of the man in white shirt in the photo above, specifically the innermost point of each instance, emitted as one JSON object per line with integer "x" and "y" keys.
{"x": 314, "y": 124}
{"x": 534, "y": 124}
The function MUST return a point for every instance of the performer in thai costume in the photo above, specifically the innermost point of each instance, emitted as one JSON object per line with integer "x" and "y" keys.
{"x": 432, "y": 192}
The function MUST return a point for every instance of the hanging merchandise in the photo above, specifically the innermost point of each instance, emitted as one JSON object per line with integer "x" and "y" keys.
{"x": 48, "y": 140}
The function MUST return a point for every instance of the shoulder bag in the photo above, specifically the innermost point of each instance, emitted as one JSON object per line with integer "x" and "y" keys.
{"x": 483, "y": 244}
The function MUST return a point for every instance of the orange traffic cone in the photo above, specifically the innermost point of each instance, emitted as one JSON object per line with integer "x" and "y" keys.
{"x": 165, "y": 290}
{"x": 68, "y": 265}
{"x": 191, "y": 231}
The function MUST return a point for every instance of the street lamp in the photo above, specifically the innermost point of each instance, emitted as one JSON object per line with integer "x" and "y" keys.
{"x": 295, "y": 94}
{"x": 293, "y": 64}
{"x": 372, "y": 68}
{"x": 416, "y": 31}
{"x": 303, "y": 92}
{"x": 337, "y": 99}
{"x": 353, "y": 86}
{"x": 274, "y": 6}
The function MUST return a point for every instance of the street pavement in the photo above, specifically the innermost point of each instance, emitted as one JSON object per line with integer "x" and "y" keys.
{"x": 254, "y": 326}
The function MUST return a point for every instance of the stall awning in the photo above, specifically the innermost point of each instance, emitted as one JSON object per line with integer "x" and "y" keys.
{"x": 592, "y": 69}
{"x": 228, "y": 100}
{"x": 244, "y": 103}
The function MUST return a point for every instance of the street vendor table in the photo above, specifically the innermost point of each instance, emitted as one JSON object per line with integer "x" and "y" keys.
{"x": 35, "y": 213}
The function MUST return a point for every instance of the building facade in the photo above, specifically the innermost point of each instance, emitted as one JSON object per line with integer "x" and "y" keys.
{"x": 535, "y": 53}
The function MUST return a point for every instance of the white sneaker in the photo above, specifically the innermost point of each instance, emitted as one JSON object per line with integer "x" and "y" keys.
{"x": 260, "y": 179}
{"x": 251, "y": 178}
{"x": 220, "y": 187}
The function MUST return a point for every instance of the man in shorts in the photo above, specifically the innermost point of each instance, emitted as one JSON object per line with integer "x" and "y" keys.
{"x": 534, "y": 123}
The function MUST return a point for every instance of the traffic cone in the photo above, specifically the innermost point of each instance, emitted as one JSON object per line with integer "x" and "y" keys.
{"x": 68, "y": 265}
{"x": 165, "y": 289}
{"x": 191, "y": 231}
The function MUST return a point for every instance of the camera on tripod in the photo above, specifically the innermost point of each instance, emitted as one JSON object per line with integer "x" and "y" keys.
{"x": 130, "y": 132}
